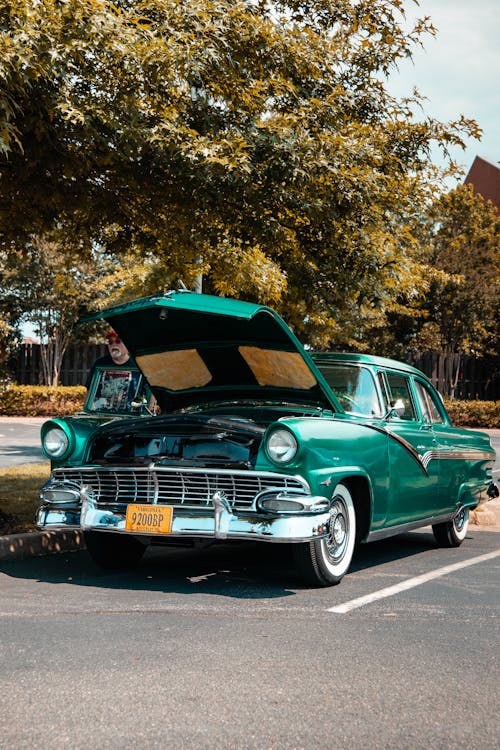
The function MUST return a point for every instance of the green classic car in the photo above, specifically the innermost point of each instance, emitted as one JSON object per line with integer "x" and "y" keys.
{"x": 254, "y": 438}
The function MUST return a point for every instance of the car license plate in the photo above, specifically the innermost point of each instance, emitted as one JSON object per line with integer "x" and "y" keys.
{"x": 149, "y": 519}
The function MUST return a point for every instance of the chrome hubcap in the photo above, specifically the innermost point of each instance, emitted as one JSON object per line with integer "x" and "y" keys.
{"x": 461, "y": 519}
{"x": 338, "y": 536}
{"x": 338, "y": 531}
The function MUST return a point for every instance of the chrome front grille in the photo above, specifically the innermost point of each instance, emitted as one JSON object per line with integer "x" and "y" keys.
{"x": 188, "y": 487}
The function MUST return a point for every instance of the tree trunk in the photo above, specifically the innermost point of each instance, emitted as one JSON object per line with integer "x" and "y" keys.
{"x": 455, "y": 372}
{"x": 52, "y": 354}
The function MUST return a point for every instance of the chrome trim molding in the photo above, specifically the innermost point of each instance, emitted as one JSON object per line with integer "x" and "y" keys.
{"x": 410, "y": 526}
{"x": 402, "y": 442}
{"x": 424, "y": 459}
{"x": 455, "y": 455}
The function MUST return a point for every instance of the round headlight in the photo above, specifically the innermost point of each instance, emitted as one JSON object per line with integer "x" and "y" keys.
{"x": 55, "y": 442}
{"x": 281, "y": 446}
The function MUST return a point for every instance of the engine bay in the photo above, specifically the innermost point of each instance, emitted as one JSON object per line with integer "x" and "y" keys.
{"x": 194, "y": 440}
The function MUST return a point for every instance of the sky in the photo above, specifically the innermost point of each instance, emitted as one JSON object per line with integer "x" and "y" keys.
{"x": 458, "y": 71}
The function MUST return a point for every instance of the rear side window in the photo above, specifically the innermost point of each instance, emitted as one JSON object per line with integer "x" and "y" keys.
{"x": 398, "y": 387}
{"x": 428, "y": 404}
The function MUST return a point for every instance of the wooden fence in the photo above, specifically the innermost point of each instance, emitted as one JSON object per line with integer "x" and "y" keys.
{"x": 476, "y": 378}
{"x": 27, "y": 366}
{"x": 461, "y": 376}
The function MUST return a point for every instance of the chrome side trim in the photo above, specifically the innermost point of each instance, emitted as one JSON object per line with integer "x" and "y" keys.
{"x": 455, "y": 455}
{"x": 404, "y": 444}
{"x": 401, "y": 528}
{"x": 424, "y": 459}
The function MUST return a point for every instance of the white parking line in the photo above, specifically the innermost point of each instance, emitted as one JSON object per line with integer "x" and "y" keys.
{"x": 341, "y": 609}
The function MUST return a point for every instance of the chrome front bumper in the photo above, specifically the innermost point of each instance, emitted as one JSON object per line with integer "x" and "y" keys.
{"x": 216, "y": 522}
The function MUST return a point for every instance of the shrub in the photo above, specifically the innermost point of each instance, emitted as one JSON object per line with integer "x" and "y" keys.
{"x": 485, "y": 414}
{"x": 41, "y": 400}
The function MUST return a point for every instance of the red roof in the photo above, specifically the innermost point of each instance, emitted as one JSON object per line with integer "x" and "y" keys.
{"x": 484, "y": 176}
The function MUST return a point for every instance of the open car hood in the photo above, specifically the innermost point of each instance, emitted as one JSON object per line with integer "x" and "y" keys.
{"x": 196, "y": 348}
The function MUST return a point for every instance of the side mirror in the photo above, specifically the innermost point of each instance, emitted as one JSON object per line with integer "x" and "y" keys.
{"x": 397, "y": 409}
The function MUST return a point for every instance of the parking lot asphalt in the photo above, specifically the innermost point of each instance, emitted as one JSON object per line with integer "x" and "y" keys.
{"x": 223, "y": 648}
{"x": 20, "y": 441}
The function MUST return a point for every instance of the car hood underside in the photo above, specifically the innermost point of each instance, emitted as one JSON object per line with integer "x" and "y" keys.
{"x": 195, "y": 348}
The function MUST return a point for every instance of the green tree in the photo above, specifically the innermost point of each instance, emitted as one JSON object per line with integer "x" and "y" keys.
{"x": 8, "y": 341}
{"x": 48, "y": 284}
{"x": 463, "y": 302}
{"x": 456, "y": 309}
{"x": 254, "y": 143}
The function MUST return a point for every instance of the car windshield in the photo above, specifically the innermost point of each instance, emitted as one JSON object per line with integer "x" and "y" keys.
{"x": 354, "y": 387}
{"x": 117, "y": 390}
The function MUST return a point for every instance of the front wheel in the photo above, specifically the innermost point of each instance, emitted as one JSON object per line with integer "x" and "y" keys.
{"x": 452, "y": 533}
{"x": 113, "y": 551}
{"x": 324, "y": 562}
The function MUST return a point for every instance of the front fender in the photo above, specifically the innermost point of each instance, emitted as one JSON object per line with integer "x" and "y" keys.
{"x": 331, "y": 451}
{"x": 78, "y": 432}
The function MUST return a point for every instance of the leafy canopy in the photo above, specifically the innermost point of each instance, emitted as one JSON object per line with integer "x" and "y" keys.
{"x": 252, "y": 142}
{"x": 49, "y": 285}
{"x": 463, "y": 302}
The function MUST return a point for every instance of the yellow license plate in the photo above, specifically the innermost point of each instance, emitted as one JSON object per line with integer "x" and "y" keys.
{"x": 149, "y": 519}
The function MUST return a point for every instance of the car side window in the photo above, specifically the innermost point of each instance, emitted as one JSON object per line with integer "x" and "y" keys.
{"x": 428, "y": 404}
{"x": 399, "y": 390}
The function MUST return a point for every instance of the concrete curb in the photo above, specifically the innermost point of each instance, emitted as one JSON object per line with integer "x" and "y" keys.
{"x": 487, "y": 514}
{"x": 22, "y": 546}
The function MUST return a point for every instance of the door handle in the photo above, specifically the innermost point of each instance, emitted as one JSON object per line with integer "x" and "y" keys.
{"x": 426, "y": 427}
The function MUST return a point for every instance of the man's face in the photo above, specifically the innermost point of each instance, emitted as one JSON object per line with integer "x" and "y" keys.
{"x": 117, "y": 349}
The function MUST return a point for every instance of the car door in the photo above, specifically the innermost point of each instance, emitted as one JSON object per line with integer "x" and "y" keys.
{"x": 435, "y": 420}
{"x": 461, "y": 454}
{"x": 413, "y": 481}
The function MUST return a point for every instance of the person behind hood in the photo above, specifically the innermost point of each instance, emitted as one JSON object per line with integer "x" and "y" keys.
{"x": 118, "y": 354}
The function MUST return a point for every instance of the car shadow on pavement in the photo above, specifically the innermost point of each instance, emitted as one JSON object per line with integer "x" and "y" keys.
{"x": 245, "y": 571}
{"x": 393, "y": 548}
{"x": 237, "y": 570}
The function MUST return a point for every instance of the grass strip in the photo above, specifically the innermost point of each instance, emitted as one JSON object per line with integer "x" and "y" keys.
{"x": 19, "y": 496}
